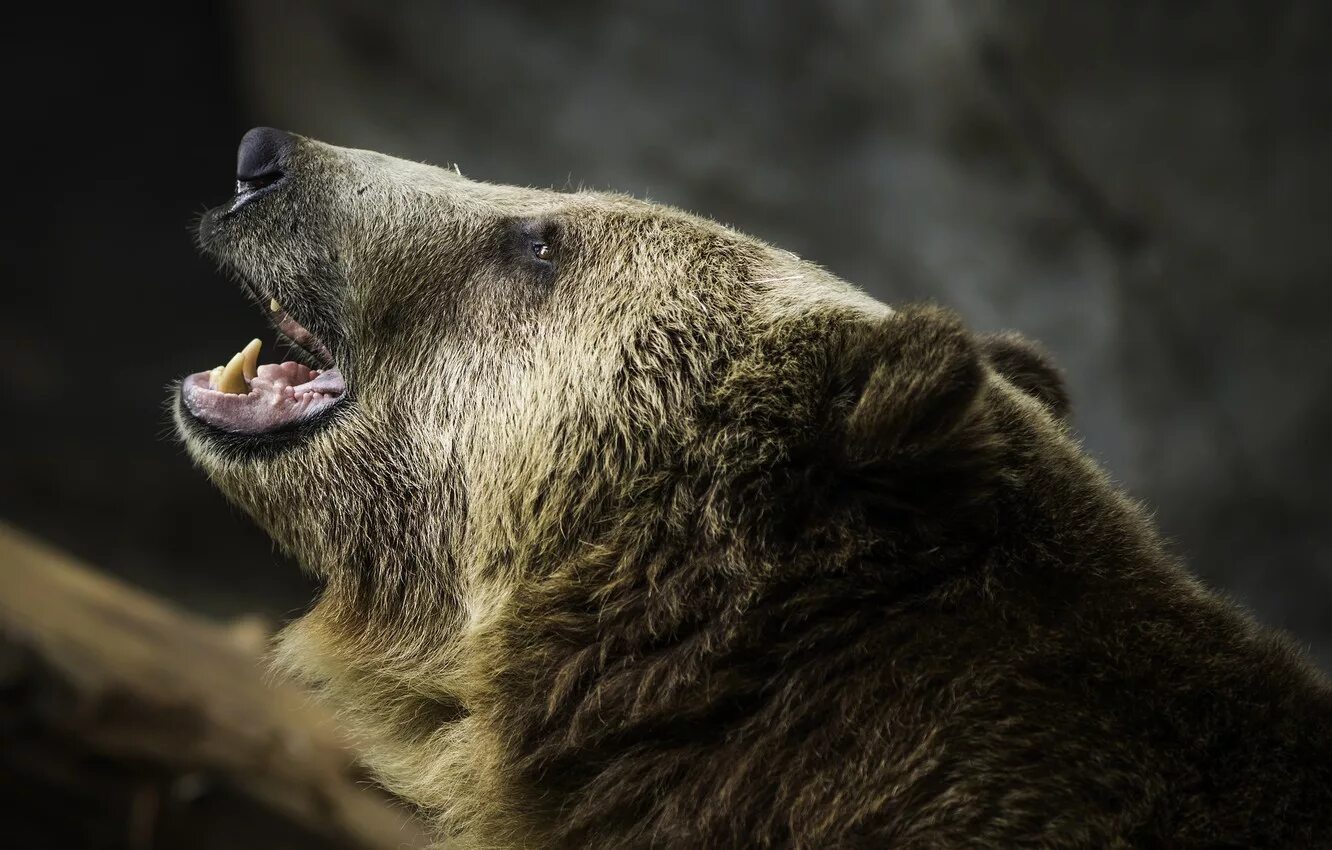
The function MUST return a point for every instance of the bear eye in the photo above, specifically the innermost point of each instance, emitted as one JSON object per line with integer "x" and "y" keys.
{"x": 542, "y": 251}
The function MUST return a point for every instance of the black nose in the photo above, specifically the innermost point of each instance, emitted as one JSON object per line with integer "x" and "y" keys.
{"x": 262, "y": 154}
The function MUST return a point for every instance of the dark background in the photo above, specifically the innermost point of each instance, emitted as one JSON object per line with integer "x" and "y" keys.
{"x": 1143, "y": 186}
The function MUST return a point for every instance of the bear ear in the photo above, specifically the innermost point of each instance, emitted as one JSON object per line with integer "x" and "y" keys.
{"x": 1029, "y": 368}
{"x": 919, "y": 374}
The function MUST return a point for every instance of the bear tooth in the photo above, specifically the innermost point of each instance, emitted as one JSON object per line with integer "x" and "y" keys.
{"x": 273, "y": 306}
{"x": 214, "y": 375}
{"x": 250, "y": 359}
{"x": 232, "y": 380}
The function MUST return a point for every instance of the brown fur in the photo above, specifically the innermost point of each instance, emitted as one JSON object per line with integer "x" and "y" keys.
{"x": 686, "y": 543}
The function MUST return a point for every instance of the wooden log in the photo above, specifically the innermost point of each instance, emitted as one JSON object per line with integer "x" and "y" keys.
{"x": 127, "y": 723}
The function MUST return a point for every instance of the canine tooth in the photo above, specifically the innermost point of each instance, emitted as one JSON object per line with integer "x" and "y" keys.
{"x": 250, "y": 359}
{"x": 232, "y": 380}
{"x": 273, "y": 306}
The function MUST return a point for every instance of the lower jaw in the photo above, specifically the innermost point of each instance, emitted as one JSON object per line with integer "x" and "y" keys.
{"x": 240, "y": 445}
{"x": 260, "y": 420}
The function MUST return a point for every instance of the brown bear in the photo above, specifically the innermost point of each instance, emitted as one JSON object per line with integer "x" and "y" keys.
{"x": 635, "y": 531}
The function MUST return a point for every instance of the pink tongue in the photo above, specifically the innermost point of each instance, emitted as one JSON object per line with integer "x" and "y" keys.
{"x": 327, "y": 382}
{"x": 288, "y": 374}
{"x": 280, "y": 395}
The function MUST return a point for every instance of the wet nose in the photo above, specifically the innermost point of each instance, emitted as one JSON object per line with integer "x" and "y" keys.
{"x": 262, "y": 154}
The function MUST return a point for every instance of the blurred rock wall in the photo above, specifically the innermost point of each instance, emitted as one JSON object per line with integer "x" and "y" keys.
{"x": 1143, "y": 186}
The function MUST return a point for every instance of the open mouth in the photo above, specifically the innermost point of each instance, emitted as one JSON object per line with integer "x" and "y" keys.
{"x": 247, "y": 397}
{"x": 244, "y": 397}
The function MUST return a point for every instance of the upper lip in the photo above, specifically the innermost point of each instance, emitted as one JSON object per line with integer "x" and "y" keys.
{"x": 300, "y": 338}
{"x": 306, "y": 345}
{"x": 256, "y": 187}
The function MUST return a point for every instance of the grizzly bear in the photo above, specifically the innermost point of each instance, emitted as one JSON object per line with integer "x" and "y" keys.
{"x": 634, "y": 531}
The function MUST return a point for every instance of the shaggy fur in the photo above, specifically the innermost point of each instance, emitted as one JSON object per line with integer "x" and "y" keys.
{"x": 677, "y": 541}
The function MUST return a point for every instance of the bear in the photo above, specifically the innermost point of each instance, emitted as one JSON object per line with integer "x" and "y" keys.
{"x": 635, "y": 531}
